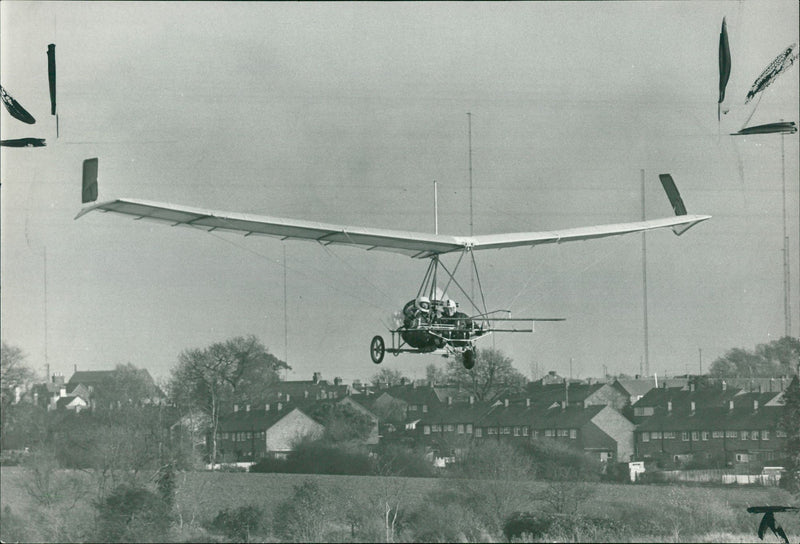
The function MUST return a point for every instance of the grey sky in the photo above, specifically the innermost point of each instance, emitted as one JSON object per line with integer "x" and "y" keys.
{"x": 346, "y": 113}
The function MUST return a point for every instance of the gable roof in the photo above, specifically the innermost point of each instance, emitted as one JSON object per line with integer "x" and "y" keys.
{"x": 714, "y": 418}
{"x": 91, "y": 377}
{"x": 256, "y": 420}
{"x": 634, "y": 388}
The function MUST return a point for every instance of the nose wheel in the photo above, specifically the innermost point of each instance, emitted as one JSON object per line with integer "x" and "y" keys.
{"x": 377, "y": 349}
{"x": 468, "y": 358}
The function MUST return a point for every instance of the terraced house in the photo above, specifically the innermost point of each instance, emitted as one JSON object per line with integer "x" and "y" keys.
{"x": 735, "y": 429}
{"x": 598, "y": 430}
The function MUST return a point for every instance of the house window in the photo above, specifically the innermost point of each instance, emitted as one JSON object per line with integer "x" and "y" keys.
{"x": 655, "y": 435}
{"x": 764, "y": 435}
{"x": 469, "y": 428}
{"x": 695, "y": 436}
{"x": 742, "y": 458}
{"x": 425, "y": 408}
{"x": 685, "y": 436}
{"x": 563, "y": 432}
{"x": 573, "y": 433}
{"x": 524, "y": 431}
{"x": 645, "y": 437}
{"x": 780, "y": 434}
{"x": 506, "y": 430}
{"x": 717, "y": 434}
{"x": 731, "y": 434}
{"x": 491, "y": 430}
{"x": 549, "y": 432}
{"x": 426, "y": 429}
{"x": 669, "y": 434}
{"x": 705, "y": 435}
{"x": 249, "y": 436}
{"x": 535, "y": 434}
{"x": 478, "y": 432}
{"x": 436, "y": 428}
{"x": 450, "y": 428}
{"x": 744, "y": 435}
{"x": 516, "y": 431}
{"x": 225, "y": 436}
{"x": 753, "y": 435}
{"x": 412, "y": 407}
{"x": 460, "y": 428}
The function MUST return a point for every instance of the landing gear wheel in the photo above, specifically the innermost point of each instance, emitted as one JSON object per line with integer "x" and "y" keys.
{"x": 468, "y": 358}
{"x": 377, "y": 349}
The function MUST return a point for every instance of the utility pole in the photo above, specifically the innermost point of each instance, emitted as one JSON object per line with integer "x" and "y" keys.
{"x": 471, "y": 232}
{"x": 700, "y": 350}
{"x": 786, "y": 280}
{"x": 285, "y": 313}
{"x": 644, "y": 288}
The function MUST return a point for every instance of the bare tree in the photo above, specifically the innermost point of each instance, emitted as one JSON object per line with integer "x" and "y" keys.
{"x": 13, "y": 372}
{"x": 210, "y": 378}
{"x": 493, "y": 374}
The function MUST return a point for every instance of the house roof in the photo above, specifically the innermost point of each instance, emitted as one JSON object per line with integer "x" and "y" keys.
{"x": 742, "y": 417}
{"x": 256, "y": 420}
{"x": 91, "y": 377}
{"x": 634, "y": 388}
{"x": 457, "y": 412}
{"x": 571, "y": 417}
{"x": 413, "y": 394}
{"x": 701, "y": 396}
{"x": 548, "y": 394}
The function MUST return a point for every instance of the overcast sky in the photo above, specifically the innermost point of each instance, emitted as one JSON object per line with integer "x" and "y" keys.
{"x": 346, "y": 113}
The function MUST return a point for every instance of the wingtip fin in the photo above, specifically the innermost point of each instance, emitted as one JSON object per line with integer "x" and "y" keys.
{"x": 89, "y": 186}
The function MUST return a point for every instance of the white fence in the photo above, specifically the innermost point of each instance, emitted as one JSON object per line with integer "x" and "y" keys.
{"x": 718, "y": 476}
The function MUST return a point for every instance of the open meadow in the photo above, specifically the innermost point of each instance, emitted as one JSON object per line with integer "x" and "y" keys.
{"x": 641, "y": 513}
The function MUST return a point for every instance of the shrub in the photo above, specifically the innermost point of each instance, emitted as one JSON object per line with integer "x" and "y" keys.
{"x": 318, "y": 457}
{"x": 445, "y": 522}
{"x": 239, "y": 523}
{"x": 132, "y": 513}
{"x": 398, "y": 460}
{"x": 302, "y": 518}
{"x": 553, "y": 460}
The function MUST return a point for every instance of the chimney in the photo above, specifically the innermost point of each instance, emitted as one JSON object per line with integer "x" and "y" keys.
{"x": 75, "y": 367}
{"x": 471, "y": 400}
{"x": 235, "y": 408}
{"x": 449, "y": 401}
{"x": 760, "y": 388}
{"x": 402, "y": 380}
{"x": 755, "y": 405}
{"x": 730, "y": 406}
{"x": 316, "y": 377}
{"x": 505, "y": 403}
{"x": 563, "y": 405}
{"x": 669, "y": 406}
{"x": 771, "y": 381}
{"x": 247, "y": 408}
{"x": 527, "y": 403}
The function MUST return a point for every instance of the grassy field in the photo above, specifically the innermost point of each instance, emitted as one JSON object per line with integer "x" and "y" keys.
{"x": 660, "y": 513}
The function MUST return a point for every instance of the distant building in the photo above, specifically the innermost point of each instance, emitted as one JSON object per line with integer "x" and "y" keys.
{"x": 728, "y": 428}
{"x": 248, "y": 434}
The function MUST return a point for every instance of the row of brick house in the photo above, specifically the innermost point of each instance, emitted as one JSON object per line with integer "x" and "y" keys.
{"x": 682, "y": 420}
{"x": 679, "y": 422}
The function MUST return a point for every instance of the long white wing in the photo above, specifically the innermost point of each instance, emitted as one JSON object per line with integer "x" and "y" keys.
{"x": 414, "y": 244}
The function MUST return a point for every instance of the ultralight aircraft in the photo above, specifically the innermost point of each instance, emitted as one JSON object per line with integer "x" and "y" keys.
{"x": 428, "y": 323}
